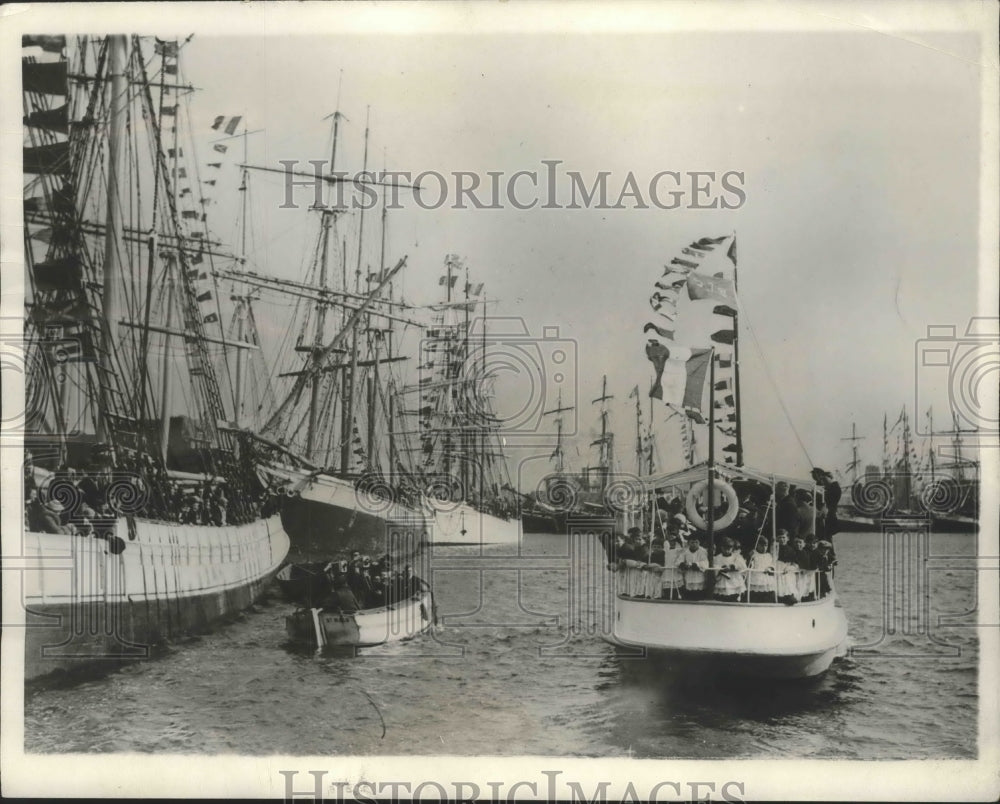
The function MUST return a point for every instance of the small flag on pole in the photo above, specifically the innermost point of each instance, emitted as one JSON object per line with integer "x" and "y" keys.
{"x": 226, "y": 124}
{"x": 166, "y": 49}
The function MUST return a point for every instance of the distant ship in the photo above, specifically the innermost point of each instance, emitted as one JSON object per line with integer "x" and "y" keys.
{"x": 334, "y": 434}
{"x": 146, "y": 518}
{"x": 907, "y": 487}
{"x": 461, "y": 464}
{"x": 579, "y": 497}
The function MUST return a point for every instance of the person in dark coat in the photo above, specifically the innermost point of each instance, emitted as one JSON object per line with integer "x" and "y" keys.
{"x": 412, "y": 584}
{"x": 356, "y": 581}
{"x": 806, "y": 547}
{"x": 832, "y": 494}
{"x": 825, "y": 561}
{"x": 343, "y": 598}
{"x": 786, "y": 513}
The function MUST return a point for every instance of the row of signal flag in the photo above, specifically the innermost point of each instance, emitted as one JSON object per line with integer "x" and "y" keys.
{"x": 169, "y": 52}
{"x": 681, "y": 274}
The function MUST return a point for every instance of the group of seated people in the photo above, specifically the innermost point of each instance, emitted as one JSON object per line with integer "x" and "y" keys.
{"x": 74, "y": 501}
{"x": 788, "y": 571}
{"x": 361, "y": 583}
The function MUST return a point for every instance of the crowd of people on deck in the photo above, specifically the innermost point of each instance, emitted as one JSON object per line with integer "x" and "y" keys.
{"x": 749, "y": 564}
{"x": 73, "y": 501}
{"x": 361, "y": 583}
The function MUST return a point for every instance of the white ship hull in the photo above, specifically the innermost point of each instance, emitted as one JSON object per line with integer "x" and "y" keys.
{"x": 464, "y": 525}
{"x": 89, "y": 605}
{"x": 768, "y": 640}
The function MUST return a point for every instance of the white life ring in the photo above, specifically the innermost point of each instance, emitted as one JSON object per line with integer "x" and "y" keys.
{"x": 697, "y": 490}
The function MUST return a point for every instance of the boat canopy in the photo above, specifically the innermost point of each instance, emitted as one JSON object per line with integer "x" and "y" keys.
{"x": 693, "y": 474}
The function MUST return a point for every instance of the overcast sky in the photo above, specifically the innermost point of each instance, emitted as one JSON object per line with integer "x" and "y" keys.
{"x": 859, "y": 153}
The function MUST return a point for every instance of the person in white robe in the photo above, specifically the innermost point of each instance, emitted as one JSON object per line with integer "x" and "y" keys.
{"x": 787, "y": 570}
{"x": 672, "y": 579}
{"x": 731, "y": 572}
{"x": 760, "y": 577}
{"x": 693, "y": 563}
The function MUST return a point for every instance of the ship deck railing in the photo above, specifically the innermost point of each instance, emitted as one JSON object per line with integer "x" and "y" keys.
{"x": 644, "y": 582}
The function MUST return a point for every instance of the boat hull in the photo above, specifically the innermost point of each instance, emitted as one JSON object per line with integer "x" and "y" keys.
{"x": 90, "y": 607}
{"x": 365, "y": 628}
{"x": 464, "y": 525}
{"x": 328, "y": 518}
{"x": 540, "y": 522}
{"x": 855, "y": 523}
{"x": 755, "y": 640}
{"x": 561, "y": 522}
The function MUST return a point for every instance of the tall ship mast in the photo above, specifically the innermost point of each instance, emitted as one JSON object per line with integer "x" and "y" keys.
{"x": 582, "y": 495}
{"x": 546, "y": 509}
{"x": 334, "y": 433}
{"x": 131, "y": 441}
{"x": 462, "y": 465}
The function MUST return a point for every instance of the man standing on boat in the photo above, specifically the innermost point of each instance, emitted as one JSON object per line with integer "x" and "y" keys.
{"x": 785, "y": 512}
{"x": 831, "y": 493}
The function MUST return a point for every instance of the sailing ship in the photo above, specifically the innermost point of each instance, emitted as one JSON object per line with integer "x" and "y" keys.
{"x": 579, "y": 497}
{"x": 545, "y": 510}
{"x": 464, "y": 476}
{"x": 743, "y": 633}
{"x": 335, "y": 433}
{"x": 146, "y": 518}
{"x": 908, "y": 487}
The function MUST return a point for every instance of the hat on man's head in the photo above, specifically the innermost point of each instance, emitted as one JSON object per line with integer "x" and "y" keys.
{"x": 55, "y": 505}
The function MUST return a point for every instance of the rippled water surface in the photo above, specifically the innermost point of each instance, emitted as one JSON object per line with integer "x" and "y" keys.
{"x": 504, "y": 675}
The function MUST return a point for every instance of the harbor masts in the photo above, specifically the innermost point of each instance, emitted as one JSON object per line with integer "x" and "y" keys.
{"x": 885, "y": 444}
{"x": 956, "y": 443}
{"x": 930, "y": 438}
{"x": 347, "y": 420}
{"x": 906, "y": 466}
{"x": 244, "y": 193}
{"x": 328, "y": 216}
{"x": 606, "y": 442}
{"x": 165, "y": 377}
{"x": 638, "y": 432}
{"x": 112, "y": 268}
{"x": 168, "y": 267}
{"x": 855, "y": 463}
{"x": 558, "y": 453}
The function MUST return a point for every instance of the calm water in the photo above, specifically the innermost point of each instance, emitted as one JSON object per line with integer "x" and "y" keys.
{"x": 504, "y": 675}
